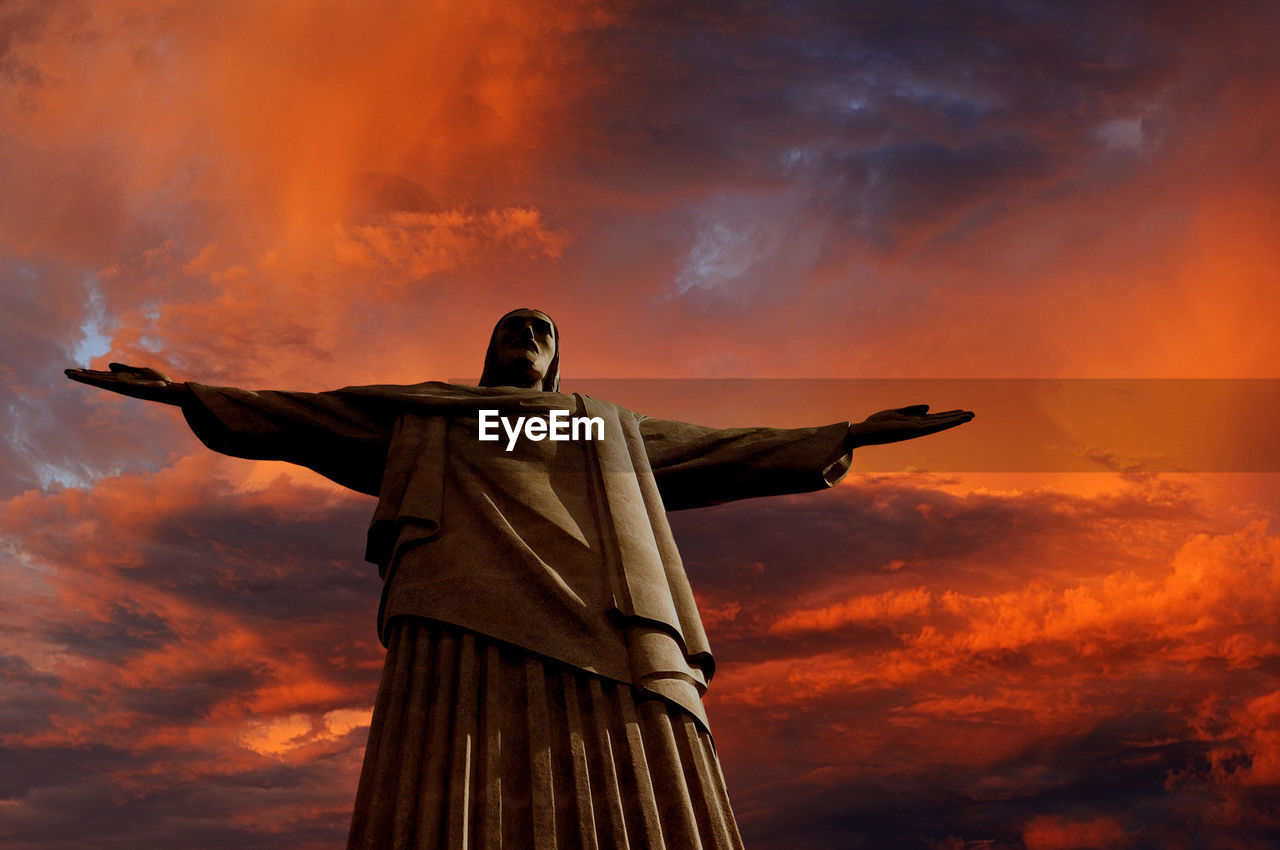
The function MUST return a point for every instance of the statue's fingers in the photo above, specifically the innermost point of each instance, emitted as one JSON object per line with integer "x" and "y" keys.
{"x": 950, "y": 422}
{"x": 96, "y": 380}
{"x": 87, "y": 376}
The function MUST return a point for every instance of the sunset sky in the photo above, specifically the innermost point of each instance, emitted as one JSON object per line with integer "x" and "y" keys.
{"x": 935, "y": 655}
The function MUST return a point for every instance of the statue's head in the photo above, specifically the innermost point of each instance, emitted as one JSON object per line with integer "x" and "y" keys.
{"x": 524, "y": 351}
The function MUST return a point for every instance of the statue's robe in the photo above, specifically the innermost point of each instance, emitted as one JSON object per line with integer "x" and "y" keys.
{"x": 546, "y": 660}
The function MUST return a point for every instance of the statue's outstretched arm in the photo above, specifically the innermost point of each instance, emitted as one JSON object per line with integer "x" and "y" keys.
{"x": 134, "y": 381}
{"x": 903, "y": 423}
{"x": 696, "y": 466}
{"x": 339, "y": 434}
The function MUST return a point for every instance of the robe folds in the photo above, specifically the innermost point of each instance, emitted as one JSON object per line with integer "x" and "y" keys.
{"x": 559, "y": 549}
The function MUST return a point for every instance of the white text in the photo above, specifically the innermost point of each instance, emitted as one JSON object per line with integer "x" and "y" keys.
{"x": 558, "y": 425}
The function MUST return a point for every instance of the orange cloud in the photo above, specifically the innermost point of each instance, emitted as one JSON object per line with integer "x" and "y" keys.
{"x": 1067, "y": 672}
{"x": 149, "y": 648}
{"x": 413, "y": 245}
{"x": 1054, "y": 833}
{"x": 1216, "y": 584}
{"x": 877, "y": 608}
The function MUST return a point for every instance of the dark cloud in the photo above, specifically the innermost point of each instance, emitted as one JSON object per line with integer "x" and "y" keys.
{"x": 114, "y": 812}
{"x": 1074, "y": 707}
{"x": 980, "y": 102}
{"x": 887, "y": 533}
{"x": 189, "y": 685}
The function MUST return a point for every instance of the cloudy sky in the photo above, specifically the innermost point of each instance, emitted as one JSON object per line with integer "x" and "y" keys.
{"x": 306, "y": 195}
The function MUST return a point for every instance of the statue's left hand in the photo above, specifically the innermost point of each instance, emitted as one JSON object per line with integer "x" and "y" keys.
{"x": 135, "y": 381}
{"x": 903, "y": 423}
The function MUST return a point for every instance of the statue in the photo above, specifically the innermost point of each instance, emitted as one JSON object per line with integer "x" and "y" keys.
{"x": 545, "y": 658}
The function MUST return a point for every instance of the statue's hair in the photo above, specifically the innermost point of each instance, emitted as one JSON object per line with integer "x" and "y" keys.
{"x": 550, "y": 381}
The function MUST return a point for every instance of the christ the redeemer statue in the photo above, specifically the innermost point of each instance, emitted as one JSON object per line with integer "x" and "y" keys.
{"x": 545, "y": 659}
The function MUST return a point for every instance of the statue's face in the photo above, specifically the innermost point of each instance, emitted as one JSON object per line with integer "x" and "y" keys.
{"x": 526, "y": 344}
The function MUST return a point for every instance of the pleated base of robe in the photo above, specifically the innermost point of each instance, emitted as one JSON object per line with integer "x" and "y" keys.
{"x": 475, "y": 744}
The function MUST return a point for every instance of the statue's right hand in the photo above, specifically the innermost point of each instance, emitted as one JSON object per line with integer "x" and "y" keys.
{"x": 136, "y": 381}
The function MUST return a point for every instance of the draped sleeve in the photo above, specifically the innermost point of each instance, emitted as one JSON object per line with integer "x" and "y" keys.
{"x": 697, "y": 466}
{"x": 341, "y": 435}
